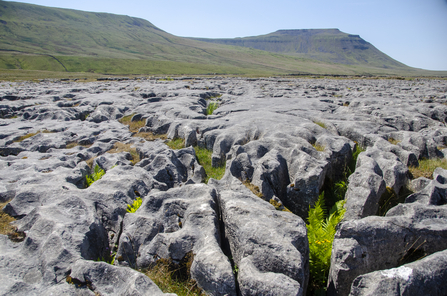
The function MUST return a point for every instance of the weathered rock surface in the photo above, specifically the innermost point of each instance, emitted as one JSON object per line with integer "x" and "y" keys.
{"x": 173, "y": 223}
{"x": 289, "y": 137}
{"x": 269, "y": 247}
{"x": 409, "y": 279}
{"x": 408, "y": 232}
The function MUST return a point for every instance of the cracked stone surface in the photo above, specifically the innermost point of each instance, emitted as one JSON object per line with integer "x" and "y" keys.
{"x": 288, "y": 137}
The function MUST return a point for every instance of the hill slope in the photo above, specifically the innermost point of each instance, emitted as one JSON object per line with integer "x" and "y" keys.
{"x": 42, "y": 38}
{"x": 328, "y": 45}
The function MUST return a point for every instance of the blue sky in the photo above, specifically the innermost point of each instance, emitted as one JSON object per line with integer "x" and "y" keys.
{"x": 411, "y": 31}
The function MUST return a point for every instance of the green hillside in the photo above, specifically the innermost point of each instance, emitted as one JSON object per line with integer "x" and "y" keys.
{"x": 52, "y": 39}
{"x": 328, "y": 45}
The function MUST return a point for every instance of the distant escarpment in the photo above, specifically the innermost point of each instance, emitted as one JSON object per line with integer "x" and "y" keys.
{"x": 328, "y": 45}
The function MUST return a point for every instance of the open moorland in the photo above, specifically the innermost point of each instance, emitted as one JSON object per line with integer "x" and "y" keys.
{"x": 64, "y": 41}
{"x": 226, "y": 186}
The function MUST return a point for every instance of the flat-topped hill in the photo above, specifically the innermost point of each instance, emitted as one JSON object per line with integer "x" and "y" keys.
{"x": 328, "y": 45}
{"x": 43, "y": 38}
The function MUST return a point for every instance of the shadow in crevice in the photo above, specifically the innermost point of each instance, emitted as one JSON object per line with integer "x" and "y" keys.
{"x": 225, "y": 245}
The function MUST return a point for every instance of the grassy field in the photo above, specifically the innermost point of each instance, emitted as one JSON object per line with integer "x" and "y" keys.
{"x": 56, "y": 40}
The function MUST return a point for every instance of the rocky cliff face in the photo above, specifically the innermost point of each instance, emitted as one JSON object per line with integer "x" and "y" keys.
{"x": 288, "y": 137}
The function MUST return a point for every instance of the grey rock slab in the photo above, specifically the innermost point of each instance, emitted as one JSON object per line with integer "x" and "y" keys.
{"x": 269, "y": 247}
{"x": 424, "y": 277}
{"x": 434, "y": 192}
{"x": 173, "y": 223}
{"x": 106, "y": 279}
{"x": 366, "y": 187}
{"x": 394, "y": 172}
{"x": 378, "y": 243}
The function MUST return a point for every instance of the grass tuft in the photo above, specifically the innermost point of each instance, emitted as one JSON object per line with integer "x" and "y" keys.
{"x": 134, "y": 126}
{"x": 174, "y": 278}
{"x": 71, "y": 145}
{"x": 393, "y": 141}
{"x": 427, "y": 167}
{"x": 177, "y": 143}
{"x": 318, "y": 147}
{"x": 149, "y": 136}
{"x": 204, "y": 159}
{"x": 320, "y": 124}
{"x": 278, "y": 206}
{"x": 90, "y": 162}
{"x": 121, "y": 147}
{"x": 390, "y": 199}
{"x": 23, "y": 138}
{"x": 5, "y": 221}
{"x": 126, "y": 119}
{"x": 253, "y": 188}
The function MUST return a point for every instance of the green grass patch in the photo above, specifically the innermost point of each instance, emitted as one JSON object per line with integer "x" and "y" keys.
{"x": 204, "y": 158}
{"x": 78, "y": 41}
{"x": 27, "y": 136}
{"x": 427, "y": 167}
{"x": 177, "y": 143}
{"x": 134, "y": 126}
{"x": 126, "y": 119}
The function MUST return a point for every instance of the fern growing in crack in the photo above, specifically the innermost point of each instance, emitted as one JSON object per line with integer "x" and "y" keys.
{"x": 95, "y": 176}
{"x": 135, "y": 205}
{"x": 321, "y": 229}
{"x": 212, "y": 106}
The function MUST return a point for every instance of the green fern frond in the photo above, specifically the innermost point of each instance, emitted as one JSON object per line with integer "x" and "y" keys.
{"x": 320, "y": 232}
{"x": 135, "y": 205}
{"x": 95, "y": 176}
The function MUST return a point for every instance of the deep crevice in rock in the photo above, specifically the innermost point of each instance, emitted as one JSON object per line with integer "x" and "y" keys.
{"x": 225, "y": 244}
